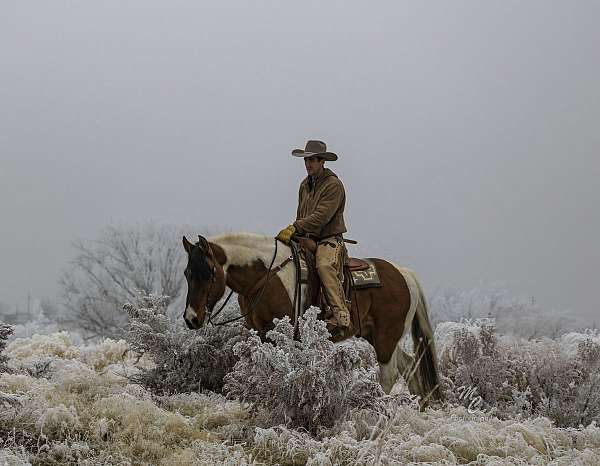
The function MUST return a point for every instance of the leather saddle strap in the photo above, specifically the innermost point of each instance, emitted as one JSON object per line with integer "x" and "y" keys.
{"x": 276, "y": 270}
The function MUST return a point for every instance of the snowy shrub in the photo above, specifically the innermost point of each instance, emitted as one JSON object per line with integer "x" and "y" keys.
{"x": 9, "y": 457}
{"x": 184, "y": 360}
{"x": 43, "y": 355}
{"x": 5, "y": 332}
{"x": 557, "y": 385}
{"x": 307, "y": 383}
{"x": 58, "y": 421}
{"x": 38, "y": 346}
{"x": 208, "y": 409}
{"x": 103, "y": 354}
{"x": 570, "y": 342}
{"x": 6, "y": 399}
{"x": 514, "y": 377}
{"x": 476, "y": 367}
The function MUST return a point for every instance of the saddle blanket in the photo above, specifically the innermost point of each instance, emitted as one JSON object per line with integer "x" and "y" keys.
{"x": 367, "y": 278}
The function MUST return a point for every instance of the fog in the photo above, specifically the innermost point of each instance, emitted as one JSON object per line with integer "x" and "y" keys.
{"x": 466, "y": 132}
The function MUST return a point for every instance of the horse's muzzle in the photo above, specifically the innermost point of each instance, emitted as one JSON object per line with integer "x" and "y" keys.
{"x": 191, "y": 319}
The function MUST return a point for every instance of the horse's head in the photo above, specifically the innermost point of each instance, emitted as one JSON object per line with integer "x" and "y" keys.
{"x": 206, "y": 281}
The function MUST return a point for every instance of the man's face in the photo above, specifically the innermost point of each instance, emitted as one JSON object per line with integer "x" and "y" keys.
{"x": 313, "y": 165}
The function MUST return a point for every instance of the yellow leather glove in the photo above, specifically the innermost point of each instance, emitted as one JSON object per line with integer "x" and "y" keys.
{"x": 285, "y": 235}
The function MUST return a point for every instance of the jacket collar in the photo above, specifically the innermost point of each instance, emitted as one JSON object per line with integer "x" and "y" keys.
{"x": 313, "y": 180}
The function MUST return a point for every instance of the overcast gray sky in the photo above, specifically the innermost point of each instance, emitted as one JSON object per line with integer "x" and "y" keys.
{"x": 467, "y": 131}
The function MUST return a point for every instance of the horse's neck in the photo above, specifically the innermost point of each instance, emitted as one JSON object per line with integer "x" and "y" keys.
{"x": 242, "y": 279}
{"x": 247, "y": 257}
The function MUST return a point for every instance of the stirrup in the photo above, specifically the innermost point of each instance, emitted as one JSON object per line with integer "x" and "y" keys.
{"x": 333, "y": 324}
{"x": 339, "y": 333}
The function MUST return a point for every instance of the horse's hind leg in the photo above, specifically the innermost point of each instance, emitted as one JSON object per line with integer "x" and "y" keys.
{"x": 400, "y": 364}
{"x": 406, "y": 367}
{"x": 388, "y": 372}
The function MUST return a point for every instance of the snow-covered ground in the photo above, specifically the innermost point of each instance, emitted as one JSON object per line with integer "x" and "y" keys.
{"x": 68, "y": 403}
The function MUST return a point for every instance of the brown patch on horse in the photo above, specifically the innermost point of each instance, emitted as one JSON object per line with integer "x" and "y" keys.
{"x": 248, "y": 282}
{"x": 218, "y": 253}
{"x": 384, "y": 309}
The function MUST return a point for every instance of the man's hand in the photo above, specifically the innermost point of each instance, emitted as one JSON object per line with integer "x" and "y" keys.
{"x": 285, "y": 235}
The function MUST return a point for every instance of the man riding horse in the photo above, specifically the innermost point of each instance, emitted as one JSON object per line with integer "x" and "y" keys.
{"x": 260, "y": 273}
{"x": 320, "y": 216}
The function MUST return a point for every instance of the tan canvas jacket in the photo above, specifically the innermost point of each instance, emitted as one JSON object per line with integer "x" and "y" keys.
{"x": 321, "y": 207}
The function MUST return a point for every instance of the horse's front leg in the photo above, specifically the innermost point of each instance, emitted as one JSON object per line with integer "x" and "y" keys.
{"x": 248, "y": 321}
{"x": 253, "y": 319}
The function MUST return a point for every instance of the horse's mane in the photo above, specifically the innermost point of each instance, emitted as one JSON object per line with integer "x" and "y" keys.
{"x": 245, "y": 248}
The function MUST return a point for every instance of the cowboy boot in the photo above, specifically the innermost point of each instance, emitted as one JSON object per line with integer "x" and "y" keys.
{"x": 340, "y": 326}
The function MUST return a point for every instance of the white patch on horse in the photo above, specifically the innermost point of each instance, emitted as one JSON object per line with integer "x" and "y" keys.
{"x": 400, "y": 364}
{"x": 190, "y": 313}
{"x": 245, "y": 248}
{"x": 413, "y": 288}
{"x": 288, "y": 278}
{"x": 388, "y": 372}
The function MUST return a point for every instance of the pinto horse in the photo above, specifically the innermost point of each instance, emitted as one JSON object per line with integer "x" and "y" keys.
{"x": 241, "y": 262}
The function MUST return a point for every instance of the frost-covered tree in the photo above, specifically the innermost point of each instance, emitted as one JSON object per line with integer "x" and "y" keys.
{"x": 515, "y": 316}
{"x": 111, "y": 270}
{"x": 309, "y": 382}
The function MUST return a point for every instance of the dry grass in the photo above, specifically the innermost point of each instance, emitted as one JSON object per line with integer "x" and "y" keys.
{"x": 83, "y": 410}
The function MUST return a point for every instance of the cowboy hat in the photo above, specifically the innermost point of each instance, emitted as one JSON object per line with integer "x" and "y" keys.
{"x": 316, "y": 148}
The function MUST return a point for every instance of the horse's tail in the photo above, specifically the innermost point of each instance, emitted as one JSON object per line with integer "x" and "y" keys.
{"x": 425, "y": 355}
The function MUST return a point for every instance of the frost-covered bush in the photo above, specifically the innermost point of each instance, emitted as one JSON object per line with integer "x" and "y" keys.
{"x": 9, "y": 457}
{"x": 6, "y": 399}
{"x": 570, "y": 342}
{"x": 58, "y": 421}
{"x": 43, "y": 355}
{"x": 309, "y": 382}
{"x": 571, "y": 393}
{"x": 184, "y": 360}
{"x": 511, "y": 376}
{"x": 58, "y": 344}
{"x": 474, "y": 363}
{"x": 5, "y": 332}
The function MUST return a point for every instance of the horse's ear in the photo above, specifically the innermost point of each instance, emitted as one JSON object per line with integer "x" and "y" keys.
{"x": 187, "y": 245}
{"x": 203, "y": 243}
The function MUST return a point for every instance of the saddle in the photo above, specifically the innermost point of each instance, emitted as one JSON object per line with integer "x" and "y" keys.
{"x": 358, "y": 274}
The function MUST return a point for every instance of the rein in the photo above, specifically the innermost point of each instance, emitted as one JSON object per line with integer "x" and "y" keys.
{"x": 297, "y": 303}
